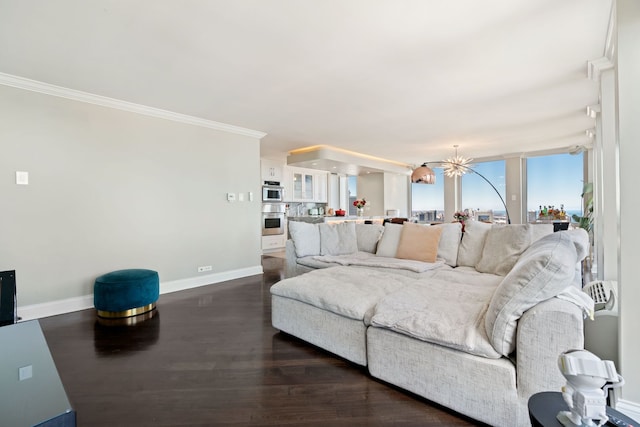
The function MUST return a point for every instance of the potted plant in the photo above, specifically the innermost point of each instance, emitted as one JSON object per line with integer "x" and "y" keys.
{"x": 586, "y": 220}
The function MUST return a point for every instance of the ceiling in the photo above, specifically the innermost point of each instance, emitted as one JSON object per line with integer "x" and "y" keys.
{"x": 402, "y": 80}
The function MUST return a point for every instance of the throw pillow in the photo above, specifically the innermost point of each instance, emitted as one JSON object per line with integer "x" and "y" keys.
{"x": 540, "y": 230}
{"x": 470, "y": 251}
{"x": 449, "y": 242}
{"x": 306, "y": 238}
{"x": 502, "y": 248}
{"x": 388, "y": 244}
{"x": 544, "y": 270}
{"x": 367, "y": 236}
{"x": 418, "y": 242}
{"x": 338, "y": 239}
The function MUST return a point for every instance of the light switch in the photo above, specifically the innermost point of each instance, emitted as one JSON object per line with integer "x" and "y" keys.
{"x": 514, "y": 197}
{"x": 231, "y": 197}
{"x": 250, "y": 196}
{"x": 22, "y": 178}
{"x": 241, "y": 197}
{"x": 25, "y": 372}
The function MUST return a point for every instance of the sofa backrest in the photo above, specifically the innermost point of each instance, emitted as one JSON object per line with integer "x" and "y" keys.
{"x": 447, "y": 245}
{"x": 495, "y": 248}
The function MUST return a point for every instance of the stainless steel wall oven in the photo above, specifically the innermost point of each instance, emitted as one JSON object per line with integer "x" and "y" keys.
{"x": 273, "y": 219}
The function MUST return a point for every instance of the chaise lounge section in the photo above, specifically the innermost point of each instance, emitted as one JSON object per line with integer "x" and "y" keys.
{"x": 479, "y": 336}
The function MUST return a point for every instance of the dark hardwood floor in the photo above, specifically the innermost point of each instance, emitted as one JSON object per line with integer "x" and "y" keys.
{"x": 211, "y": 357}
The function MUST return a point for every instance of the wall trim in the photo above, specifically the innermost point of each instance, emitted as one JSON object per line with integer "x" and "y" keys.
{"x": 89, "y": 98}
{"x": 630, "y": 409}
{"x": 63, "y": 306}
{"x": 194, "y": 282}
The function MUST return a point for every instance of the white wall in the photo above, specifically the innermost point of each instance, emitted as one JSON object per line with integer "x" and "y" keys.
{"x": 371, "y": 187}
{"x": 396, "y": 194}
{"x": 628, "y": 70}
{"x": 110, "y": 189}
{"x": 384, "y": 191}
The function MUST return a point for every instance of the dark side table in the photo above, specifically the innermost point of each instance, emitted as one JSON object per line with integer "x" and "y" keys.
{"x": 543, "y": 408}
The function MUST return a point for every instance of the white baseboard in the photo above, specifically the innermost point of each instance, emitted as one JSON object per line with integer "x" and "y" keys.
{"x": 194, "y": 282}
{"x": 630, "y": 409}
{"x": 53, "y": 308}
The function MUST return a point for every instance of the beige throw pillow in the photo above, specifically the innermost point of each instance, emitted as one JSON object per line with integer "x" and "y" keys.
{"x": 418, "y": 242}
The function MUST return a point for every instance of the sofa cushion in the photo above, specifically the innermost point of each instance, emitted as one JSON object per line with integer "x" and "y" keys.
{"x": 347, "y": 291}
{"x": 446, "y": 312}
{"x": 388, "y": 244}
{"x": 449, "y": 242}
{"x": 502, "y": 247}
{"x": 305, "y": 237}
{"x": 418, "y": 242}
{"x": 544, "y": 270}
{"x": 338, "y": 239}
{"x": 367, "y": 236}
{"x": 470, "y": 250}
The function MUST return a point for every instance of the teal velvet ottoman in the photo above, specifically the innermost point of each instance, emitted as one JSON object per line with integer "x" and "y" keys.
{"x": 126, "y": 293}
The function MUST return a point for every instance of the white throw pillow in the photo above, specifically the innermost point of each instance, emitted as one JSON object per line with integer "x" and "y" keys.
{"x": 368, "y": 236}
{"x": 338, "y": 239}
{"x": 306, "y": 238}
{"x": 502, "y": 248}
{"x": 388, "y": 245}
{"x": 544, "y": 270}
{"x": 449, "y": 242}
{"x": 470, "y": 250}
{"x": 538, "y": 231}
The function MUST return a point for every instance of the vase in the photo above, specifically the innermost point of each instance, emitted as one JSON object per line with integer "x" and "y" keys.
{"x": 360, "y": 211}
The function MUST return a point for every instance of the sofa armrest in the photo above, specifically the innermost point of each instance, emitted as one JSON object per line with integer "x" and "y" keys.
{"x": 291, "y": 260}
{"x": 544, "y": 332}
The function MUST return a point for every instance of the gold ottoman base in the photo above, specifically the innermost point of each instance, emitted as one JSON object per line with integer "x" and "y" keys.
{"x": 126, "y": 313}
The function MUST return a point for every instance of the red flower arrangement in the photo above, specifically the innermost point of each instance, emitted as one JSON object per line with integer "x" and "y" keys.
{"x": 359, "y": 203}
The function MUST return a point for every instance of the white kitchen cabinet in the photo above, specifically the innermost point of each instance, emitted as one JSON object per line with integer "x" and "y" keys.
{"x": 320, "y": 189}
{"x": 299, "y": 184}
{"x": 305, "y": 185}
{"x": 275, "y": 242}
{"x": 272, "y": 170}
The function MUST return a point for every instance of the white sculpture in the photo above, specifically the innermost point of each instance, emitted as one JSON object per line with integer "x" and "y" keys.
{"x": 586, "y": 376}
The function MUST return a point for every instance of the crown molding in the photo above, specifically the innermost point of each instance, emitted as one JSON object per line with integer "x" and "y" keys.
{"x": 103, "y": 101}
{"x": 597, "y": 66}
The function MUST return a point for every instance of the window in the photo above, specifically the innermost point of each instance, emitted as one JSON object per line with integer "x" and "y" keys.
{"x": 477, "y": 194}
{"x": 555, "y": 181}
{"x": 427, "y": 200}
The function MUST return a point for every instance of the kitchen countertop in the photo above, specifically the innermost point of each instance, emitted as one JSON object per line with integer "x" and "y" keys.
{"x": 333, "y": 219}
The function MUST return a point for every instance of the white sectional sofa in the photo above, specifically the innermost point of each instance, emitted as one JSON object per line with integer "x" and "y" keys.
{"x": 474, "y": 323}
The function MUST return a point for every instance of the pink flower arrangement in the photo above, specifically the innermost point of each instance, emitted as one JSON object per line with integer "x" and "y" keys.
{"x": 359, "y": 203}
{"x": 461, "y": 216}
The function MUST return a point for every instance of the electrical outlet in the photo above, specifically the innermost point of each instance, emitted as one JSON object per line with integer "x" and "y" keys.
{"x": 204, "y": 268}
